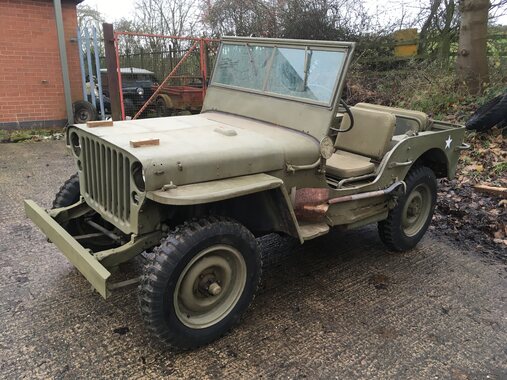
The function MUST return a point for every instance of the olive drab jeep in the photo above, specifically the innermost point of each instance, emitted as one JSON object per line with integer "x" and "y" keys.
{"x": 274, "y": 150}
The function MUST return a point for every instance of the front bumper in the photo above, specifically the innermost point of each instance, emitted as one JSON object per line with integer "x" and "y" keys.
{"x": 81, "y": 258}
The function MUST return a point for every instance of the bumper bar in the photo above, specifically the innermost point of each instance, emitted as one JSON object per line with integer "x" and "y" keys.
{"x": 88, "y": 265}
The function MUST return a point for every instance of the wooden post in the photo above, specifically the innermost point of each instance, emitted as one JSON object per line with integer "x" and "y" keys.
{"x": 112, "y": 70}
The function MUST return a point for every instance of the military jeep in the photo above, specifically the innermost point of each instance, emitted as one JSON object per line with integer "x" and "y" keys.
{"x": 274, "y": 150}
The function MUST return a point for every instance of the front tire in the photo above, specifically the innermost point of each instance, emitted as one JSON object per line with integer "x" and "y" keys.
{"x": 199, "y": 282}
{"x": 408, "y": 221}
{"x": 70, "y": 194}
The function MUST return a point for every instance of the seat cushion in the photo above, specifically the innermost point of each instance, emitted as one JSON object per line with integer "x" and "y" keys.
{"x": 370, "y": 135}
{"x": 406, "y": 120}
{"x": 346, "y": 165}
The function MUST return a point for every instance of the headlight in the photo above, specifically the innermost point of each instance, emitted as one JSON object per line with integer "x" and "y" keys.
{"x": 140, "y": 91}
{"x": 138, "y": 176}
{"x": 75, "y": 143}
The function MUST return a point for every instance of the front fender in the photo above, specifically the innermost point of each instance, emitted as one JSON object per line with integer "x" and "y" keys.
{"x": 279, "y": 209}
{"x": 214, "y": 191}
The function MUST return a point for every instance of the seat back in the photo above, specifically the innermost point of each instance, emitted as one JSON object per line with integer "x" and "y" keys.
{"x": 406, "y": 120}
{"x": 370, "y": 135}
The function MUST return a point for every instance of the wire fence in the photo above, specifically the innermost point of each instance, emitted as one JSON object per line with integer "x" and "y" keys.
{"x": 163, "y": 75}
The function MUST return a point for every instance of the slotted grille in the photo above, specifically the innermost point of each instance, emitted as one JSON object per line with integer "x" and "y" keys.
{"x": 107, "y": 177}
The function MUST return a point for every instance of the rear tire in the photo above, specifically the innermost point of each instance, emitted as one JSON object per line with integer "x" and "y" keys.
{"x": 408, "y": 221}
{"x": 199, "y": 282}
{"x": 161, "y": 108}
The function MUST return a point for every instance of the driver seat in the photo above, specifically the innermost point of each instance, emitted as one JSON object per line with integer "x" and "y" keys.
{"x": 367, "y": 141}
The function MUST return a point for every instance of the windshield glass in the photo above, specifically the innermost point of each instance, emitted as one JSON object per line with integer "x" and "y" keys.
{"x": 309, "y": 73}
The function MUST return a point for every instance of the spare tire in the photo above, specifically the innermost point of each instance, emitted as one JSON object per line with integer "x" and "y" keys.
{"x": 84, "y": 111}
{"x": 489, "y": 114}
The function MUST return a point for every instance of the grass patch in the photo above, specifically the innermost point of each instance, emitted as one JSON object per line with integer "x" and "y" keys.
{"x": 500, "y": 168}
{"x": 21, "y": 135}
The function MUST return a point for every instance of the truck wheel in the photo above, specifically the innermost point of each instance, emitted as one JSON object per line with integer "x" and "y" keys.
{"x": 199, "y": 282}
{"x": 409, "y": 220}
{"x": 84, "y": 111}
{"x": 161, "y": 108}
{"x": 69, "y": 194}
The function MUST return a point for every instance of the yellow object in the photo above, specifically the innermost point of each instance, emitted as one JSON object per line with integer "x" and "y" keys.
{"x": 405, "y": 43}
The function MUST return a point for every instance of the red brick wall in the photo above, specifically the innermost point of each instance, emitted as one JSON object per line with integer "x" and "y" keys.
{"x": 31, "y": 84}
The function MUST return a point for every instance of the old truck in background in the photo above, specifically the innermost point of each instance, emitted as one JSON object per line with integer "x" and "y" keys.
{"x": 189, "y": 97}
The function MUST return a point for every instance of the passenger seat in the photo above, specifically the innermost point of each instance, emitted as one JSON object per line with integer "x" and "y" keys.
{"x": 368, "y": 140}
{"x": 406, "y": 120}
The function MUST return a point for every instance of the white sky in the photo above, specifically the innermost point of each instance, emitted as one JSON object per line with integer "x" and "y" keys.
{"x": 117, "y": 9}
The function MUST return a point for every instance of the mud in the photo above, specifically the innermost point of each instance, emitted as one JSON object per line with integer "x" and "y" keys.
{"x": 471, "y": 219}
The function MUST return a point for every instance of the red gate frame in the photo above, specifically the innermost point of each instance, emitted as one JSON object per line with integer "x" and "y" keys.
{"x": 202, "y": 61}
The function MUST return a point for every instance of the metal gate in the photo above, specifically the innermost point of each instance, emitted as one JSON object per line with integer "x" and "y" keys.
{"x": 90, "y": 56}
{"x": 160, "y": 75}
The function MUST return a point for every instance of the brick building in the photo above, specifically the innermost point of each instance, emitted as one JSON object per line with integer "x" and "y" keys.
{"x": 31, "y": 81}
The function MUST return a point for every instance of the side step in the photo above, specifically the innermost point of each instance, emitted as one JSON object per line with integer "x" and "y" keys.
{"x": 312, "y": 230}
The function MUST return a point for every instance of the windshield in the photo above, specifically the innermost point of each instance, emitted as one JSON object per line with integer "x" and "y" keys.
{"x": 133, "y": 80}
{"x": 297, "y": 72}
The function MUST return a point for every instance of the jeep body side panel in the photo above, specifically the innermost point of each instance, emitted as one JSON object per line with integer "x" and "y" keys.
{"x": 398, "y": 161}
{"x": 442, "y": 144}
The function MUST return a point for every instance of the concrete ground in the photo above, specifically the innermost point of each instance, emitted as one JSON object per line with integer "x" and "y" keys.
{"x": 341, "y": 306}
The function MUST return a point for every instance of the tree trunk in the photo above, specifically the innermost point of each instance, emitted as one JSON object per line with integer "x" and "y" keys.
{"x": 472, "y": 61}
{"x": 447, "y": 31}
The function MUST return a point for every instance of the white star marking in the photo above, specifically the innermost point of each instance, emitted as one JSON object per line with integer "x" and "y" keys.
{"x": 448, "y": 143}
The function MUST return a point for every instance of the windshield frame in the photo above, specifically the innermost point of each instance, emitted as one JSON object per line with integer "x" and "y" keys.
{"x": 303, "y": 45}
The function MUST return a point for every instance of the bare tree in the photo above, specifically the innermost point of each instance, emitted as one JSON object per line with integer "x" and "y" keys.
{"x": 242, "y": 17}
{"x": 309, "y": 19}
{"x": 88, "y": 16}
{"x": 472, "y": 61}
{"x": 166, "y": 17}
{"x": 439, "y": 20}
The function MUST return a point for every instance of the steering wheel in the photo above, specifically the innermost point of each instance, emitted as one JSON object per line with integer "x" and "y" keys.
{"x": 349, "y": 112}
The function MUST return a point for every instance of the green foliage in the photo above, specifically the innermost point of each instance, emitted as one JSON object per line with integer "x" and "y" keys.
{"x": 500, "y": 168}
{"x": 431, "y": 87}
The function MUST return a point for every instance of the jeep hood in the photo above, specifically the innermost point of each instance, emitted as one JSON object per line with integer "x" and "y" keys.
{"x": 207, "y": 146}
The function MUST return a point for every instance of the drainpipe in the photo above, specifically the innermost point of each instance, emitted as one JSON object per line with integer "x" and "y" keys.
{"x": 63, "y": 59}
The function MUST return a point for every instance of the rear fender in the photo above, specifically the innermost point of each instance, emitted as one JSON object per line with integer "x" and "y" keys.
{"x": 438, "y": 149}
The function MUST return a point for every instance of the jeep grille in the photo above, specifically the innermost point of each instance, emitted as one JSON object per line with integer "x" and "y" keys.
{"x": 106, "y": 178}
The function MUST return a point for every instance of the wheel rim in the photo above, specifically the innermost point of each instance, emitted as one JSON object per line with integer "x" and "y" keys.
{"x": 210, "y": 286}
{"x": 83, "y": 115}
{"x": 416, "y": 210}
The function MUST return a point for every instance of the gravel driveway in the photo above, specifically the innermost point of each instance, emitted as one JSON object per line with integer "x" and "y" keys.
{"x": 340, "y": 306}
